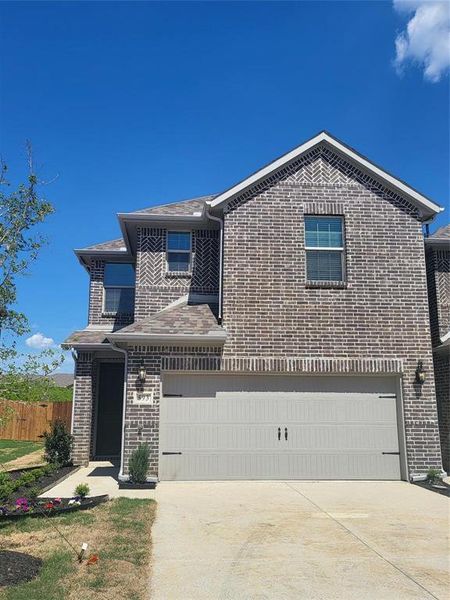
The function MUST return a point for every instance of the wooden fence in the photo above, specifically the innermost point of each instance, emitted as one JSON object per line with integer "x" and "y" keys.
{"x": 29, "y": 420}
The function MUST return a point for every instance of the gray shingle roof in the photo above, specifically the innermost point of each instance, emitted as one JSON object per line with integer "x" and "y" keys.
{"x": 85, "y": 336}
{"x": 118, "y": 244}
{"x": 443, "y": 233}
{"x": 190, "y": 319}
{"x": 185, "y": 207}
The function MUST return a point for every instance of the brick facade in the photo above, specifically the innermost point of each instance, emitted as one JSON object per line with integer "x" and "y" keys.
{"x": 382, "y": 311}
{"x": 376, "y": 322}
{"x": 438, "y": 271}
{"x": 155, "y": 288}
{"x": 82, "y": 408}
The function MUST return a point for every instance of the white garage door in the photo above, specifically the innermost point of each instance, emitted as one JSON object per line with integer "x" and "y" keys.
{"x": 278, "y": 427}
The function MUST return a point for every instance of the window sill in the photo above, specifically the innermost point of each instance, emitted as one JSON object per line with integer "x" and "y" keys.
{"x": 326, "y": 284}
{"x": 116, "y": 314}
{"x": 186, "y": 274}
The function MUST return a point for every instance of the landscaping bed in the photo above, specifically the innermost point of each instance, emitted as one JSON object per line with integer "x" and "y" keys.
{"x": 440, "y": 488}
{"x": 30, "y": 483}
{"x": 48, "y": 507}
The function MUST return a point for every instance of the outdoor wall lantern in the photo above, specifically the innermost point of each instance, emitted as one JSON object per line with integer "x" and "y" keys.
{"x": 420, "y": 373}
{"x": 142, "y": 374}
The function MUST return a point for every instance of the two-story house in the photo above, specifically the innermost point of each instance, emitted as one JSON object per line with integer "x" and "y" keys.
{"x": 438, "y": 267}
{"x": 277, "y": 330}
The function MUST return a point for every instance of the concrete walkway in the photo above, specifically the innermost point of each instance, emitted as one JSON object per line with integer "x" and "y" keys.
{"x": 299, "y": 540}
{"x": 101, "y": 477}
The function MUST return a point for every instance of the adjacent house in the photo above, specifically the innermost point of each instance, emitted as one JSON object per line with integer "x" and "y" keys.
{"x": 438, "y": 266}
{"x": 276, "y": 330}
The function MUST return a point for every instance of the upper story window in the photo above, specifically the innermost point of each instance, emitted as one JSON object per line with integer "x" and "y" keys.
{"x": 118, "y": 283}
{"x": 179, "y": 247}
{"x": 324, "y": 244}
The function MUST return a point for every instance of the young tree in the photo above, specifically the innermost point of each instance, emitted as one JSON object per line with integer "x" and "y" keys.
{"x": 21, "y": 210}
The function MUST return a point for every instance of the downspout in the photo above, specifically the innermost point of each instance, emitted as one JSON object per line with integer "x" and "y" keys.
{"x": 220, "y": 221}
{"x": 75, "y": 358}
{"x": 122, "y": 477}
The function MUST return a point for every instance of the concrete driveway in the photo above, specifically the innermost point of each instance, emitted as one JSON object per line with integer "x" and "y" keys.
{"x": 300, "y": 540}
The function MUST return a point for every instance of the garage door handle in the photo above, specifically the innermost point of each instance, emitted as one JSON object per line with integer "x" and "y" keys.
{"x": 285, "y": 433}
{"x": 167, "y": 453}
{"x": 396, "y": 453}
{"x": 279, "y": 433}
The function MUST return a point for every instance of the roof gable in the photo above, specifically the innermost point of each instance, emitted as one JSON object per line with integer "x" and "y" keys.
{"x": 324, "y": 146}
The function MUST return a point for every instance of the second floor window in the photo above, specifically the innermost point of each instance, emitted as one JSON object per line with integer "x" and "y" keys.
{"x": 178, "y": 251}
{"x": 118, "y": 283}
{"x": 324, "y": 244}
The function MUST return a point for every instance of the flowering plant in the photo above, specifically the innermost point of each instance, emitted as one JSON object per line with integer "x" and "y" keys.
{"x": 22, "y": 504}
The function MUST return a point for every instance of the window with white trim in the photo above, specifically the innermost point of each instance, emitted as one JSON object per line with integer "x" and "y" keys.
{"x": 179, "y": 246}
{"x": 324, "y": 245}
{"x": 118, "y": 285}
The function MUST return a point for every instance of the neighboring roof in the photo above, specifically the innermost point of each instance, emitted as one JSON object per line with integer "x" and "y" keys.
{"x": 427, "y": 206}
{"x": 86, "y": 337}
{"x": 189, "y": 321}
{"x": 114, "y": 245}
{"x": 442, "y": 233}
{"x": 184, "y": 207}
{"x": 62, "y": 379}
{"x": 440, "y": 238}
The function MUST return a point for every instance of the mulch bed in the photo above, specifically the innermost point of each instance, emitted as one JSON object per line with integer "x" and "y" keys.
{"x": 440, "y": 488}
{"x": 43, "y": 483}
{"x": 16, "y": 567}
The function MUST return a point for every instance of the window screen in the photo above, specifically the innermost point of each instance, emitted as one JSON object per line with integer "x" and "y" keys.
{"x": 178, "y": 251}
{"x": 118, "y": 282}
{"x": 324, "y": 243}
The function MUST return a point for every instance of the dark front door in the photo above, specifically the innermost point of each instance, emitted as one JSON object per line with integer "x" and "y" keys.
{"x": 109, "y": 409}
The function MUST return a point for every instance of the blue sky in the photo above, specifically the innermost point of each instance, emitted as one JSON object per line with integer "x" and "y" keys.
{"x": 135, "y": 104}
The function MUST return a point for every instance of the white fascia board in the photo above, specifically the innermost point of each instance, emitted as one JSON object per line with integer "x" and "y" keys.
{"x": 212, "y": 337}
{"x": 195, "y": 217}
{"x": 446, "y": 339}
{"x": 402, "y": 187}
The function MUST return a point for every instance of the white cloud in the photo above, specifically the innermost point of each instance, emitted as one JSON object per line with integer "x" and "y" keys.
{"x": 39, "y": 342}
{"x": 426, "y": 40}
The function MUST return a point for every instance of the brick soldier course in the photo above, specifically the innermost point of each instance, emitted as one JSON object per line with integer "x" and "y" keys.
{"x": 376, "y": 321}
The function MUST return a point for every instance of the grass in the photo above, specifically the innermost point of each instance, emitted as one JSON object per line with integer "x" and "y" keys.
{"x": 118, "y": 532}
{"x": 13, "y": 449}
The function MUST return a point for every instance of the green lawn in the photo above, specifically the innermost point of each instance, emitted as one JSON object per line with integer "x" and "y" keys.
{"x": 12, "y": 449}
{"x": 118, "y": 532}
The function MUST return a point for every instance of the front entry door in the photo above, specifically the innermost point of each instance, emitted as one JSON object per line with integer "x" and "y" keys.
{"x": 109, "y": 409}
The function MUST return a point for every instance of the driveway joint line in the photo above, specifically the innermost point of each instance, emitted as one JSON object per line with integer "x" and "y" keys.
{"x": 362, "y": 541}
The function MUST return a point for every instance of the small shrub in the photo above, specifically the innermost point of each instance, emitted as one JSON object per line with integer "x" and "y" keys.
{"x": 6, "y": 487}
{"x": 29, "y": 477}
{"x": 139, "y": 463}
{"x": 58, "y": 445}
{"x": 33, "y": 492}
{"x": 82, "y": 490}
{"x": 433, "y": 476}
{"x": 4, "y": 477}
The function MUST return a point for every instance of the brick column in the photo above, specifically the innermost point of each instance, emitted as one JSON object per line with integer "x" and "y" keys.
{"x": 82, "y": 412}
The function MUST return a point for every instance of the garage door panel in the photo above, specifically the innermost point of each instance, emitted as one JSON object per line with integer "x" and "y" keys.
{"x": 212, "y": 437}
{"x": 338, "y": 433}
{"x": 212, "y": 466}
